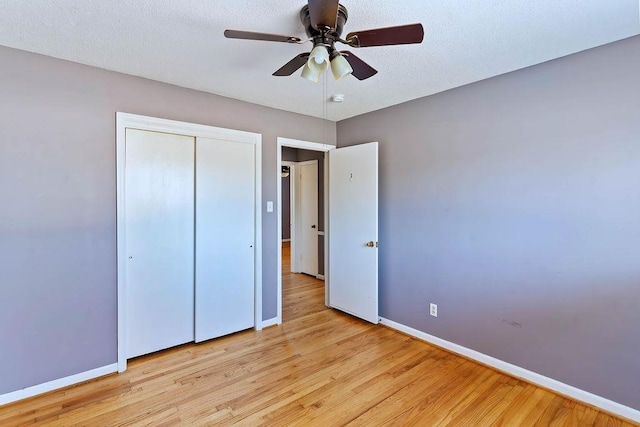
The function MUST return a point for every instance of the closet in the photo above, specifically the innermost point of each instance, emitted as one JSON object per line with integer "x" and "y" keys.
{"x": 189, "y": 239}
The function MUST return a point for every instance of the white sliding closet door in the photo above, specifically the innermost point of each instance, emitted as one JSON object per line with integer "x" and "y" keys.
{"x": 225, "y": 237}
{"x": 159, "y": 212}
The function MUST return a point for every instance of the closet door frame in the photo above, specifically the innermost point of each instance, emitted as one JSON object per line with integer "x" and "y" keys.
{"x": 153, "y": 124}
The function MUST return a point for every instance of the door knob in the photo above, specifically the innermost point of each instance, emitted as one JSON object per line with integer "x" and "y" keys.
{"x": 370, "y": 244}
{"x": 313, "y": 226}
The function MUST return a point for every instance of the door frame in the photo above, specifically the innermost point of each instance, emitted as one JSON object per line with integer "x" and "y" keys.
{"x": 154, "y": 124}
{"x": 313, "y": 146}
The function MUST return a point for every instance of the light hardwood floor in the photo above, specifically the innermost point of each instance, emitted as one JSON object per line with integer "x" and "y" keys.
{"x": 321, "y": 367}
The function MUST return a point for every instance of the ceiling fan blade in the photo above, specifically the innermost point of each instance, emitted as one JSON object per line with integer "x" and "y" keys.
{"x": 361, "y": 70}
{"x": 403, "y": 34}
{"x": 323, "y": 13}
{"x": 249, "y": 35}
{"x": 293, "y": 65}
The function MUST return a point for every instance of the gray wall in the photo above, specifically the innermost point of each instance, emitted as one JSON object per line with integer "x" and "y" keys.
{"x": 514, "y": 204}
{"x": 286, "y": 207}
{"x": 58, "y": 211}
{"x": 288, "y": 154}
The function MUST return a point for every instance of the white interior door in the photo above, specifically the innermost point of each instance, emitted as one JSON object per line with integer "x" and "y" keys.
{"x": 159, "y": 209}
{"x": 308, "y": 191}
{"x": 353, "y": 240}
{"x": 225, "y": 237}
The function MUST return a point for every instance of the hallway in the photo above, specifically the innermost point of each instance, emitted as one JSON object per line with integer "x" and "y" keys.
{"x": 302, "y": 295}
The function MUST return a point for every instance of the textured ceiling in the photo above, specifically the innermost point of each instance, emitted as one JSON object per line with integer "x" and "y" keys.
{"x": 181, "y": 42}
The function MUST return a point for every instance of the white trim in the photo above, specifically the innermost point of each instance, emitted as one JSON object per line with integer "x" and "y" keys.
{"x": 524, "y": 374}
{"x": 320, "y": 233}
{"x": 157, "y": 124}
{"x": 286, "y": 240}
{"x": 305, "y": 145}
{"x": 279, "y": 229}
{"x": 257, "y": 270}
{"x": 271, "y": 322}
{"x": 121, "y": 123}
{"x": 56, "y": 384}
{"x": 126, "y": 120}
{"x": 320, "y": 276}
{"x": 327, "y": 223}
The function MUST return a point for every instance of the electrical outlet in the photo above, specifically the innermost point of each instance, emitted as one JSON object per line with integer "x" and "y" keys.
{"x": 433, "y": 309}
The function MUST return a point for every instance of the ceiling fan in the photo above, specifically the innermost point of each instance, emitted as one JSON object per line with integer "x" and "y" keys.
{"x": 324, "y": 21}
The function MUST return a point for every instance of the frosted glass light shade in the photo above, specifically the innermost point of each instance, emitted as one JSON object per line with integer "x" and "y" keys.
{"x": 319, "y": 59}
{"x": 310, "y": 74}
{"x": 340, "y": 67}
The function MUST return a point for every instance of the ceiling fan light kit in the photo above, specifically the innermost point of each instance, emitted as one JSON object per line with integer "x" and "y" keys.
{"x": 317, "y": 63}
{"x": 324, "y": 21}
{"x": 320, "y": 56}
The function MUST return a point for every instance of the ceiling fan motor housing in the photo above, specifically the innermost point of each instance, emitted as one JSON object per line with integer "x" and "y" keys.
{"x": 324, "y": 36}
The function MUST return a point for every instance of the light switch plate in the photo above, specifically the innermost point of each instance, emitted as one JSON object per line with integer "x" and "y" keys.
{"x": 269, "y": 206}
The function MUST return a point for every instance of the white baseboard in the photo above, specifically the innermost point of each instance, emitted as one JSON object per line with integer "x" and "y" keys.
{"x": 56, "y": 384}
{"x": 524, "y": 374}
{"x": 271, "y": 322}
{"x": 320, "y": 276}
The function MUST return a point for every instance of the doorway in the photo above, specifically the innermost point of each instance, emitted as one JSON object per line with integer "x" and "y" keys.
{"x": 301, "y": 155}
{"x": 351, "y": 272}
